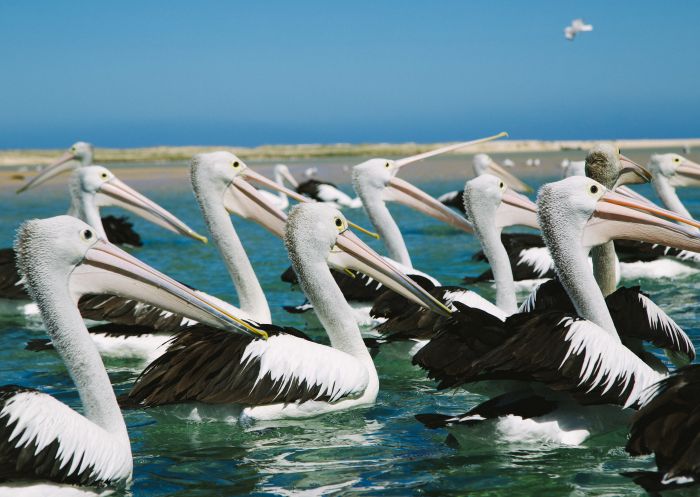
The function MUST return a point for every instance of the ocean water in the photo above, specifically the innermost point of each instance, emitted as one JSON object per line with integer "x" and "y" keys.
{"x": 381, "y": 450}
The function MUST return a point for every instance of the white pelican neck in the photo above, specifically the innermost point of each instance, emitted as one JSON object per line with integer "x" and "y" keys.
{"x": 250, "y": 294}
{"x": 380, "y": 217}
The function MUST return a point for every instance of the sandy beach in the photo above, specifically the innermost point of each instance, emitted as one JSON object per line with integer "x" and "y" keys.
{"x": 29, "y": 157}
{"x": 148, "y": 168}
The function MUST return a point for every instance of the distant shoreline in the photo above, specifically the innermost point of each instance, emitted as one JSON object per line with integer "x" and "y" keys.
{"x": 18, "y": 158}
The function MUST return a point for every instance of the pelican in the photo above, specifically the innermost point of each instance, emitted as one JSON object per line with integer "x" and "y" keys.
{"x": 491, "y": 205}
{"x": 81, "y": 154}
{"x": 42, "y": 439}
{"x": 567, "y": 361}
{"x": 90, "y": 188}
{"x": 668, "y": 426}
{"x": 222, "y": 186}
{"x": 483, "y": 164}
{"x": 217, "y": 374}
{"x": 375, "y": 182}
{"x": 280, "y": 200}
{"x": 577, "y": 26}
{"x": 322, "y": 191}
{"x": 530, "y": 260}
{"x": 643, "y": 260}
{"x": 573, "y": 168}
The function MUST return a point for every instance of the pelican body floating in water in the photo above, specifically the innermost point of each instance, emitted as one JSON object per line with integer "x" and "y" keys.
{"x": 217, "y": 374}
{"x": 668, "y": 426}
{"x": 573, "y": 372}
{"x": 42, "y": 439}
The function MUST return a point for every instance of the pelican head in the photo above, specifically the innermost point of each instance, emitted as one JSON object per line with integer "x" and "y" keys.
{"x": 79, "y": 151}
{"x": 605, "y": 164}
{"x": 223, "y": 178}
{"x": 579, "y": 208}
{"x": 488, "y": 200}
{"x": 93, "y": 186}
{"x": 375, "y": 180}
{"x": 314, "y": 232}
{"x": 678, "y": 170}
{"x": 282, "y": 171}
{"x": 483, "y": 164}
{"x": 63, "y": 256}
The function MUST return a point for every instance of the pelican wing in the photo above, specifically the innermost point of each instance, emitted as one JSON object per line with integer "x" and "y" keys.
{"x": 669, "y": 426}
{"x": 203, "y": 364}
{"x": 563, "y": 352}
{"x": 312, "y": 188}
{"x": 529, "y": 258}
{"x": 127, "y": 312}
{"x": 635, "y": 315}
{"x": 10, "y": 284}
{"x": 41, "y": 438}
{"x": 548, "y": 295}
{"x": 120, "y": 231}
{"x": 408, "y": 321}
{"x": 453, "y": 199}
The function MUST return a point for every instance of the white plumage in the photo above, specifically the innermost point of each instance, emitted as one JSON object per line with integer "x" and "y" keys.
{"x": 41, "y": 419}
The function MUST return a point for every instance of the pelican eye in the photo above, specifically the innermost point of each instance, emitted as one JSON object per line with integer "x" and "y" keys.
{"x": 676, "y": 159}
{"x": 86, "y": 235}
{"x": 387, "y": 165}
{"x": 236, "y": 164}
{"x": 501, "y": 185}
{"x": 594, "y": 189}
{"x": 104, "y": 175}
{"x": 72, "y": 149}
{"x": 339, "y": 224}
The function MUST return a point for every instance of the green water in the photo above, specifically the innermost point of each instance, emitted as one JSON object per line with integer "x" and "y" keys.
{"x": 380, "y": 450}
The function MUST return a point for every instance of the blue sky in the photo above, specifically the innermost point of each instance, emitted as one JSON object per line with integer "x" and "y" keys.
{"x": 134, "y": 73}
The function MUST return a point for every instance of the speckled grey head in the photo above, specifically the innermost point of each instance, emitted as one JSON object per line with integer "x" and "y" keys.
{"x": 312, "y": 230}
{"x": 51, "y": 248}
{"x": 603, "y": 164}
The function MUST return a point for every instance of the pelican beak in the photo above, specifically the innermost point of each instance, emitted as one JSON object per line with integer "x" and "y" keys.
{"x": 61, "y": 165}
{"x": 288, "y": 176}
{"x": 619, "y": 217}
{"x": 258, "y": 178}
{"x": 687, "y": 174}
{"x": 628, "y": 192}
{"x": 508, "y": 178}
{"x": 244, "y": 200}
{"x": 405, "y": 193}
{"x": 117, "y": 193}
{"x": 106, "y": 269}
{"x": 447, "y": 148}
{"x": 631, "y": 173}
{"x": 516, "y": 209}
{"x": 352, "y": 253}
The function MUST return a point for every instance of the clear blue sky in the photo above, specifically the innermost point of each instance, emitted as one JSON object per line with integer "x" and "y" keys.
{"x": 136, "y": 73}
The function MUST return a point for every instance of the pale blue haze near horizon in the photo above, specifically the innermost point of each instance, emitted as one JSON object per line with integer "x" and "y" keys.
{"x": 247, "y": 73}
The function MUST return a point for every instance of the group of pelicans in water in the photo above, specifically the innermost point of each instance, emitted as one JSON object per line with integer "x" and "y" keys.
{"x": 572, "y": 361}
